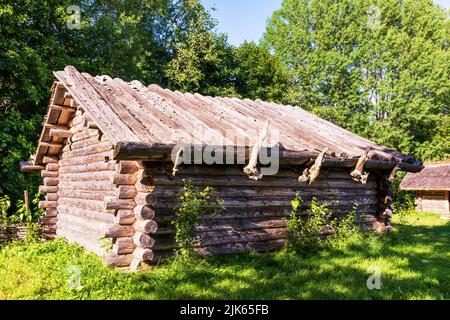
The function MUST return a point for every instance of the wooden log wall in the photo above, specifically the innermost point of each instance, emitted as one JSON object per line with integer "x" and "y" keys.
{"x": 85, "y": 175}
{"x": 434, "y": 201}
{"x": 133, "y": 225}
{"x": 50, "y": 188}
{"x": 255, "y": 209}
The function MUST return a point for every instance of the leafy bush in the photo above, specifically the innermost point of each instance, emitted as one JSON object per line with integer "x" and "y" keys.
{"x": 23, "y": 215}
{"x": 403, "y": 200}
{"x": 5, "y": 204}
{"x": 315, "y": 229}
{"x": 304, "y": 230}
{"x": 17, "y": 142}
{"x": 28, "y": 218}
{"x": 194, "y": 204}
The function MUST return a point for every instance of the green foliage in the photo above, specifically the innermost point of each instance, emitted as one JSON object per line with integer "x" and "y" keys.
{"x": 17, "y": 136}
{"x": 5, "y": 204}
{"x": 402, "y": 200}
{"x": 260, "y": 74}
{"x": 304, "y": 229}
{"x": 413, "y": 262}
{"x": 34, "y": 232}
{"x": 317, "y": 228}
{"x": 378, "y": 68}
{"x": 23, "y": 215}
{"x": 195, "y": 203}
{"x": 105, "y": 244}
{"x": 168, "y": 42}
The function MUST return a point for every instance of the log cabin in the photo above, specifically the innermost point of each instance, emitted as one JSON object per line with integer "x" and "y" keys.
{"x": 114, "y": 156}
{"x": 432, "y": 186}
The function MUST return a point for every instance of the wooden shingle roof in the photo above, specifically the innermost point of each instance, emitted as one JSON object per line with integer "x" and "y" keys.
{"x": 131, "y": 113}
{"x": 434, "y": 177}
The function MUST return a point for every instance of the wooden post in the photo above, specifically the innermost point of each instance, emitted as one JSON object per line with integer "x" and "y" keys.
{"x": 27, "y": 200}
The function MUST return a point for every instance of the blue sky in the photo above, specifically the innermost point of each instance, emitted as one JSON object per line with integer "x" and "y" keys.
{"x": 246, "y": 19}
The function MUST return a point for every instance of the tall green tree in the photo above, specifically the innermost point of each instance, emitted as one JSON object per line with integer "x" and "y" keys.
{"x": 379, "y": 68}
{"x": 258, "y": 74}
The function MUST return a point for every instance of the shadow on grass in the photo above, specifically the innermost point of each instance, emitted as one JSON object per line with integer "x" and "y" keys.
{"x": 414, "y": 263}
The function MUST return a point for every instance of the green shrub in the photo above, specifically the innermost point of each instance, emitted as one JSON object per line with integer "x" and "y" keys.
{"x": 5, "y": 204}
{"x": 194, "y": 204}
{"x": 315, "y": 229}
{"x": 32, "y": 215}
{"x": 402, "y": 200}
{"x": 29, "y": 218}
{"x": 304, "y": 230}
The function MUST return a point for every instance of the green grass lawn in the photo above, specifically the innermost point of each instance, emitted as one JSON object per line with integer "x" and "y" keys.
{"x": 414, "y": 262}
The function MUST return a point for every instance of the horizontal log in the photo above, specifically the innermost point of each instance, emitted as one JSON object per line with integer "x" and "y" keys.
{"x": 49, "y": 174}
{"x": 48, "y": 189}
{"x": 144, "y": 212}
{"x": 81, "y": 238}
{"x": 63, "y": 108}
{"x": 84, "y": 135}
{"x": 92, "y": 217}
{"x": 215, "y": 238}
{"x": 143, "y": 151}
{"x": 117, "y": 204}
{"x": 162, "y": 169}
{"x": 103, "y": 156}
{"x": 88, "y": 176}
{"x": 76, "y": 122}
{"x": 50, "y": 145}
{"x": 124, "y": 179}
{"x": 126, "y": 192}
{"x": 118, "y": 231}
{"x": 124, "y": 246}
{"x": 48, "y": 230}
{"x": 86, "y": 185}
{"x": 145, "y": 185}
{"x": 227, "y": 225}
{"x": 50, "y": 159}
{"x": 143, "y": 254}
{"x": 115, "y": 260}
{"x": 48, "y": 204}
{"x": 148, "y": 199}
{"x": 127, "y": 167}
{"x": 51, "y": 212}
{"x": 125, "y": 217}
{"x": 266, "y": 181}
{"x": 145, "y": 226}
{"x": 92, "y": 227}
{"x": 60, "y": 133}
{"x": 167, "y": 215}
{"x": 52, "y": 166}
{"x": 90, "y": 149}
{"x": 55, "y": 126}
{"x": 28, "y": 167}
{"x": 261, "y": 192}
{"x": 95, "y": 166}
{"x": 272, "y": 202}
{"x": 85, "y": 194}
{"x": 48, "y": 220}
{"x": 232, "y": 236}
{"x": 51, "y": 197}
{"x": 96, "y": 205}
{"x": 51, "y": 181}
{"x": 143, "y": 240}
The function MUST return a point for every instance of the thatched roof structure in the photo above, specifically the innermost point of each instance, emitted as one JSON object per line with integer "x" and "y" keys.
{"x": 433, "y": 177}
